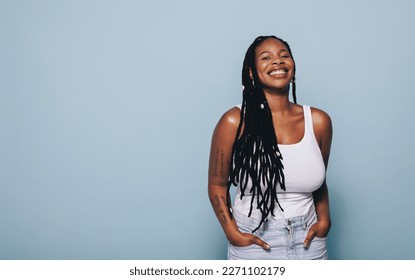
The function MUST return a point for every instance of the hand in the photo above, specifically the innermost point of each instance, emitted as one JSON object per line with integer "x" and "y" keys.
{"x": 319, "y": 229}
{"x": 245, "y": 239}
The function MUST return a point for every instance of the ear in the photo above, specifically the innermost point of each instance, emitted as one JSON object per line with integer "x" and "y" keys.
{"x": 250, "y": 74}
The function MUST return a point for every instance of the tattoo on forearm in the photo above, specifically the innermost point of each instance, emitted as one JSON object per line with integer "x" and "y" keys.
{"x": 223, "y": 200}
{"x": 219, "y": 163}
{"x": 218, "y": 208}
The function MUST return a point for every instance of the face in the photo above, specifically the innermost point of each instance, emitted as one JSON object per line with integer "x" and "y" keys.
{"x": 274, "y": 64}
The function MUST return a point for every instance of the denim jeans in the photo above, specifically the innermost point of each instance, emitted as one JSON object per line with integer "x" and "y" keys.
{"x": 285, "y": 236}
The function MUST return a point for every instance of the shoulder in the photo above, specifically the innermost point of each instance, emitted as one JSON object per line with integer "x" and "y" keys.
{"x": 320, "y": 118}
{"x": 322, "y": 126}
{"x": 227, "y": 125}
{"x": 225, "y": 131}
{"x": 231, "y": 118}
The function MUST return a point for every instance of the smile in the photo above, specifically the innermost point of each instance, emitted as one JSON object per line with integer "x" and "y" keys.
{"x": 278, "y": 72}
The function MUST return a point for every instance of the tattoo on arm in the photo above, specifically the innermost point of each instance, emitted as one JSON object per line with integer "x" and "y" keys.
{"x": 220, "y": 211}
{"x": 215, "y": 170}
{"x": 219, "y": 163}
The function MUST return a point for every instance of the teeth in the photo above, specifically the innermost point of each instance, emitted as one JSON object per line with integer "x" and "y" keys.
{"x": 279, "y": 71}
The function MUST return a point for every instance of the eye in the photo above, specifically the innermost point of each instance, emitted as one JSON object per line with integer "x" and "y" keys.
{"x": 285, "y": 55}
{"x": 265, "y": 58}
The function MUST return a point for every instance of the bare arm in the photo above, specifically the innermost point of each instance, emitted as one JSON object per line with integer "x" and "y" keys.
{"x": 323, "y": 131}
{"x": 219, "y": 164}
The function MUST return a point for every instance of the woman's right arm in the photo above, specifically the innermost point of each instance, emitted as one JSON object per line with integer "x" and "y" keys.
{"x": 219, "y": 165}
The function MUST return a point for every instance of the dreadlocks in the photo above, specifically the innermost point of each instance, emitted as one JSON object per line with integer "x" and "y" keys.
{"x": 255, "y": 154}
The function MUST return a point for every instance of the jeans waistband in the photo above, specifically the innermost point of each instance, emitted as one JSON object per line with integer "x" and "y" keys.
{"x": 273, "y": 223}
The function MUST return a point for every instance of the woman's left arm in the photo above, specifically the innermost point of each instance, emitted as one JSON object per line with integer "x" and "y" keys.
{"x": 323, "y": 131}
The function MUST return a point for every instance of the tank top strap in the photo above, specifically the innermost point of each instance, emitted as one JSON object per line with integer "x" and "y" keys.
{"x": 308, "y": 121}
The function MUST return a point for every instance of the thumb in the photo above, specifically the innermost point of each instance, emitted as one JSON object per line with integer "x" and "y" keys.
{"x": 311, "y": 234}
{"x": 258, "y": 241}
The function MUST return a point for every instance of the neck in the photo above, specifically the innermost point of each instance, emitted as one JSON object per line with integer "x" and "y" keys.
{"x": 278, "y": 103}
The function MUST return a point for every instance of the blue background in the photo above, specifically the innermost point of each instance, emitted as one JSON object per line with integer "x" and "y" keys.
{"x": 107, "y": 109}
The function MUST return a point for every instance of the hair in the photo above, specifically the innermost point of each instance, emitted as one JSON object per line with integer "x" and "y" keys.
{"x": 255, "y": 153}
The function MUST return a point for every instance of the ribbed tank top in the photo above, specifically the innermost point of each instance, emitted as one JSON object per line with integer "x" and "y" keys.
{"x": 304, "y": 172}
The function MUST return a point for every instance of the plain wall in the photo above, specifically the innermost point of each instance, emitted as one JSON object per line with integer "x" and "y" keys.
{"x": 107, "y": 110}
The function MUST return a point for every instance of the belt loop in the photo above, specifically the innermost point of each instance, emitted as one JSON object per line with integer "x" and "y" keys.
{"x": 304, "y": 222}
{"x": 262, "y": 228}
{"x": 288, "y": 224}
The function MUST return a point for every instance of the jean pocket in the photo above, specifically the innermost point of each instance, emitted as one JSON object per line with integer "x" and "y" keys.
{"x": 242, "y": 247}
{"x": 245, "y": 228}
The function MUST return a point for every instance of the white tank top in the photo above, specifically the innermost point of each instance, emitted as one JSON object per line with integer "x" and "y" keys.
{"x": 304, "y": 172}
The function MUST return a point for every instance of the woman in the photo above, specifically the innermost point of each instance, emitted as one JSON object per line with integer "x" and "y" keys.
{"x": 276, "y": 153}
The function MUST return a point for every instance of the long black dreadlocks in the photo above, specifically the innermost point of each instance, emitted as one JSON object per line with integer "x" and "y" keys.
{"x": 255, "y": 154}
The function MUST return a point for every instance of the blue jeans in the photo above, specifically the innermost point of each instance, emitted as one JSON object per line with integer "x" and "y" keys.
{"x": 285, "y": 236}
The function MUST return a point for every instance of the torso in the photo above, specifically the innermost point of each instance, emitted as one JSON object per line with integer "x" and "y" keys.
{"x": 290, "y": 127}
{"x": 304, "y": 167}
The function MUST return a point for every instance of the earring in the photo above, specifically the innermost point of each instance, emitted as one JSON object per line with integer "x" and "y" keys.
{"x": 253, "y": 83}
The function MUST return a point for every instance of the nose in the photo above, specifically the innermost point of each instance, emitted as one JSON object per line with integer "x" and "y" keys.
{"x": 277, "y": 61}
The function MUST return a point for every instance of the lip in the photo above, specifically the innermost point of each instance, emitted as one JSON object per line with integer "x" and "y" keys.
{"x": 278, "y": 71}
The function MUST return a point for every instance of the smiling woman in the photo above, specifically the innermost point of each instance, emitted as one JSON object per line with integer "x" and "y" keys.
{"x": 275, "y": 66}
{"x": 276, "y": 153}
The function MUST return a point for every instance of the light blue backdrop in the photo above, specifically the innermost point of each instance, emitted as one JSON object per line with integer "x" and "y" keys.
{"x": 107, "y": 109}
